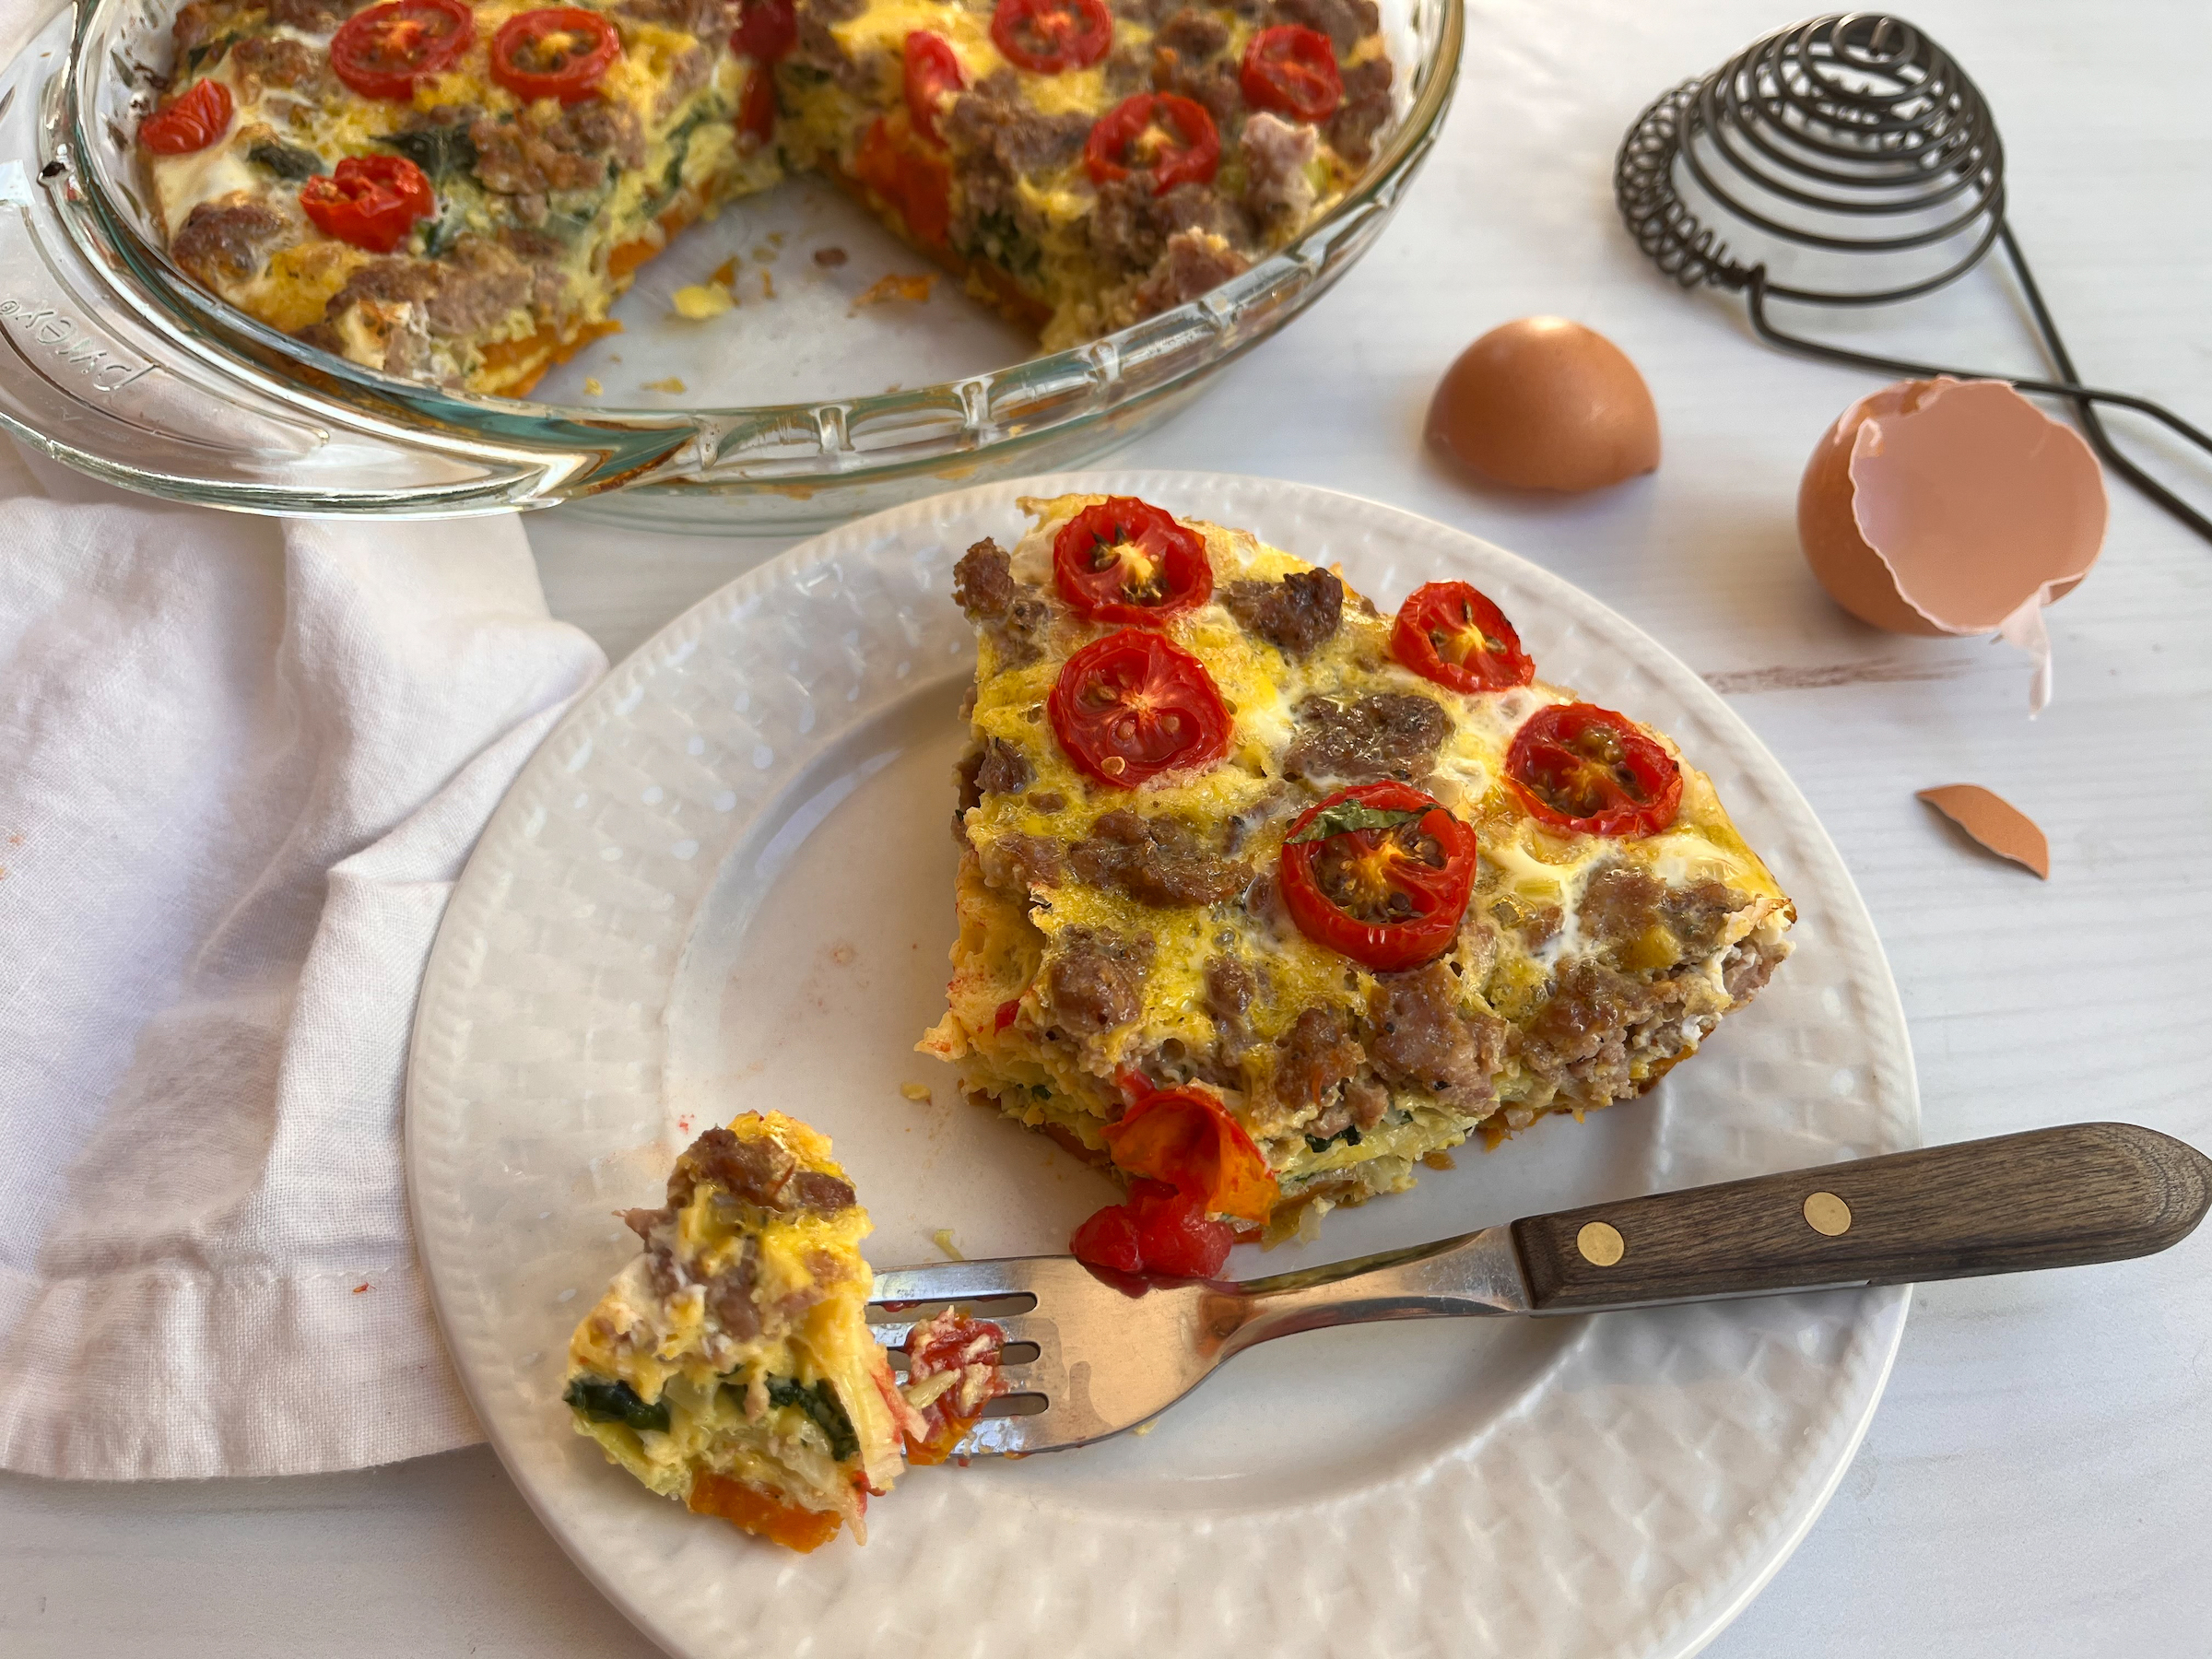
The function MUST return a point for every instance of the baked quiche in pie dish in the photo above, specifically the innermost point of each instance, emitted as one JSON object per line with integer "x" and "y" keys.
{"x": 730, "y": 1365}
{"x": 1266, "y": 897}
{"x": 459, "y": 193}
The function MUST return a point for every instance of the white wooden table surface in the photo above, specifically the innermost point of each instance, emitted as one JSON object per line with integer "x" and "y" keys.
{"x": 2039, "y": 1480}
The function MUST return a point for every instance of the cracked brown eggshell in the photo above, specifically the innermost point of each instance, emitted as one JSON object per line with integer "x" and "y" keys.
{"x": 1545, "y": 404}
{"x": 1945, "y": 506}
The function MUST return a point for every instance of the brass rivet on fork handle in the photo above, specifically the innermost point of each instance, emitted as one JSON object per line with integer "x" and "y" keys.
{"x": 1601, "y": 1244}
{"x": 1828, "y": 1215}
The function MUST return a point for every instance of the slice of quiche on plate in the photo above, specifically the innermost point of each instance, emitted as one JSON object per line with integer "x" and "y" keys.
{"x": 731, "y": 1366}
{"x": 1266, "y": 897}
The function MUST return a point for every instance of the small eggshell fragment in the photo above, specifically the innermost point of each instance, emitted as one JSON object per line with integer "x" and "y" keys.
{"x": 1994, "y": 822}
{"x": 1952, "y": 507}
{"x": 1545, "y": 404}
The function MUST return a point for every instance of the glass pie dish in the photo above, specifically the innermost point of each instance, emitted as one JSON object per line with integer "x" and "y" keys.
{"x": 119, "y": 364}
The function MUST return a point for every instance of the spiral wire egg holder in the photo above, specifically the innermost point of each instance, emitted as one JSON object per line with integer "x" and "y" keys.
{"x": 1860, "y": 153}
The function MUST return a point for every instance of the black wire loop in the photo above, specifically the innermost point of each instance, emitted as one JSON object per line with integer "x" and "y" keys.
{"x": 1855, "y": 135}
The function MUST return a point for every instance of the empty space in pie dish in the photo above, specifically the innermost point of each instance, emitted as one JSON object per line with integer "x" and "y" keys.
{"x": 811, "y": 341}
{"x": 817, "y": 962}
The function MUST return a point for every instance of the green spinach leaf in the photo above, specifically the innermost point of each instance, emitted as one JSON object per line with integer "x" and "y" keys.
{"x": 1349, "y": 1135}
{"x": 820, "y": 1403}
{"x": 1000, "y": 239}
{"x": 443, "y": 152}
{"x": 614, "y": 1401}
{"x": 439, "y": 237}
{"x": 286, "y": 161}
{"x": 679, "y": 146}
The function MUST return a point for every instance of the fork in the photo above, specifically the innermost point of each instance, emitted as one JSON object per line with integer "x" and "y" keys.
{"x": 1090, "y": 1353}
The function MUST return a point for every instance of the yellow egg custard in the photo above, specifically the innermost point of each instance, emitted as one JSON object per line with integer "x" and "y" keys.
{"x": 1346, "y": 887}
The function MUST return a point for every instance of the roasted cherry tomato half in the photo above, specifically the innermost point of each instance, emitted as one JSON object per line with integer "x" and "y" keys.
{"x": 919, "y": 186}
{"x": 1381, "y": 873}
{"x": 1187, "y": 1138}
{"x": 371, "y": 201}
{"x": 381, "y": 52}
{"x": 1047, "y": 36}
{"x": 757, "y": 103}
{"x": 1450, "y": 633}
{"x": 766, "y": 32}
{"x": 932, "y": 75}
{"x": 192, "y": 122}
{"x": 1293, "y": 71}
{"x": 1131, "y": 706}
{"x": 562, "y": 52}
{"x": 1584, "y": 768}
{"x": 1125, "y": 560}
{"x": 1171, "y": 136}
{"x": 1159, "y": 1230}
{"x": 951, "y": 1343}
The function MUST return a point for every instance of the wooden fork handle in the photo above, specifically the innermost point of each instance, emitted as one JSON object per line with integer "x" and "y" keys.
{"x": 2047, "y": 1198}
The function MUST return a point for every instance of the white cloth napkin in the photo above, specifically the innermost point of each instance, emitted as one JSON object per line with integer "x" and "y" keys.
{"x": 241, "y": 764}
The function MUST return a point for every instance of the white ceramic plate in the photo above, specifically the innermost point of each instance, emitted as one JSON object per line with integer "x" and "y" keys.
{"x": 724, "y": 883}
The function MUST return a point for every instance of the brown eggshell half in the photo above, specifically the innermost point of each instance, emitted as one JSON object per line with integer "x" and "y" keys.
{"x": 1545, "y": 404}
{"x": 1945, "y": 506}
{"x": 1994, "y": 822}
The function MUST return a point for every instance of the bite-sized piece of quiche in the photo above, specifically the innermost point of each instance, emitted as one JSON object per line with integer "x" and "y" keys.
{"x": 1265, "y": 898}
{"x": 731, "y": 1364}
{"x": 459, "y": 193}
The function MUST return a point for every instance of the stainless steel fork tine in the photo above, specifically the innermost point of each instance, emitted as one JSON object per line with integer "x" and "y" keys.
{"x": 998, "y": 1436}
{"x": 956, "y": 1281}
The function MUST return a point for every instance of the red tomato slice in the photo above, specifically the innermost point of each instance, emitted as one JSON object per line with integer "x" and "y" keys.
{"x": 1584, "y": 768}
{"x": 561, "y": 51}
{"x": 1131, "y": 706}
{"x": 1125, "y": 560}
{"x": 1047, "y": 36}
{"x": 192, "y": 122}
{"x": 1158, "y": 1231}
{"x": 757, "y": 105}
{"x": 371, "y": 201}
{"x": 766, "y": 32}
{"x": 381, "y": 52}
{"x": 932, "y": 76}
{"x": 918, "y": 185}
{"x": 1450, "y": 633}
{"x": 1390, "y": 896}
{"x": 1187, "y": 1138}
{"x": 1175, "y": 1234}
{"x": 1293, "y": 71}
{"x": 1170, "y": 135}
{"x": 1109, "y": 1239}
